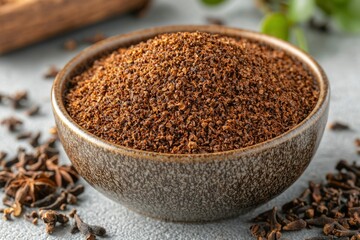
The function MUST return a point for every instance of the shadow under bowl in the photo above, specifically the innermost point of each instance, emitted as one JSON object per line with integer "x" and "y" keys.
{"x": 190, "y": 187}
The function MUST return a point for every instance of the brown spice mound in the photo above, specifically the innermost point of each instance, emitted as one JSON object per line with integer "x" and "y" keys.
{"x": 192, "y": 93}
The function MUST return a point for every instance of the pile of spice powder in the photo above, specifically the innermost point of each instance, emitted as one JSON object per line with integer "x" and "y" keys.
{"x": 192, "y": 93}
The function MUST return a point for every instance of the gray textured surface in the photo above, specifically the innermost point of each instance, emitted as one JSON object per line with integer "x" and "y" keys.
{"x": 339, "y": 55}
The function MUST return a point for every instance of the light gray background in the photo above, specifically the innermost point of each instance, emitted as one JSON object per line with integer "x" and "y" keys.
{"x": 338, "y": 54}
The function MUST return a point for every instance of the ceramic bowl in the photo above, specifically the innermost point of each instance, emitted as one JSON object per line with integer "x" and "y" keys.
{"x": 190, "y": 187}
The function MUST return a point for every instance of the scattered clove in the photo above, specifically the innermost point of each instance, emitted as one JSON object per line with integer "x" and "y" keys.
{"x": 48, "y": 200}
{"x": 34, "y": 110}
{"x": 51, "y": 72}
{"x": 215, "y": 21}
{"x": 70, "y": 45}
{"x": 32, "y": 217}
{"x": 34, "y": 140}
{"x": 61, "y": 199}
{"x": 295, "y": 225}
{"x": 320, "y": 221}
{"x": 338, "y": 126}
{"x": 12, "y": 123}
{"x": 90, "y": 231}
{"x": 72, "y": 213}
{"x": 18, "y": 98}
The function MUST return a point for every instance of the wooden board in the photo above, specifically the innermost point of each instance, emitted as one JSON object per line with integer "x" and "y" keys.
{"x": 23, "y": 22}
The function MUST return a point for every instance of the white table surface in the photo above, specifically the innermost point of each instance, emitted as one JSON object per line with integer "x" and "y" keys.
{"x": 338, "y": 54}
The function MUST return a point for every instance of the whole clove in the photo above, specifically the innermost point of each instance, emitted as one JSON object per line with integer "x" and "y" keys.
{"x": 51, "y": 72}
{"x": 12, "y": 123}
{"x": 34, "y": 110}
{"x": 90, "y": 231}
{"x": 72, "y": 213}
{"x": 295, "y": 225}
{"x": 70, "y": 45}
{"x": 16, "y": 100}
{"x": 34, "y": 140}
{"x": 215, "y": 21}
{"x": 47, "y": 201}
{"x": 31, "y": 178}
{"x": 320, "y": 221}
{"x": 338, "y": 126}
{"x": 61, "y": 199}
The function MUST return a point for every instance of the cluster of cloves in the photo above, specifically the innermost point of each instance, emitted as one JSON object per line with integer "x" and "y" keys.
{"x": 35, "y": 179}
{"x": 89, "y": 231}
{"x": 334, "y": 206}
{"x": 52, "y": 218}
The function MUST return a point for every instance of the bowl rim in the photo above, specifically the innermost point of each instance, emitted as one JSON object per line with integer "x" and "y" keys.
{"x": 112, "y": 43}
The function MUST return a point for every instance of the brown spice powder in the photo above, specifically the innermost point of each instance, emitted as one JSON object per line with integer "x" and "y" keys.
{"x": 192, "y": 93}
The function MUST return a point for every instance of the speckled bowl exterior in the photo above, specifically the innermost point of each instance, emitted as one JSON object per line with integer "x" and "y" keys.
{"x": 190, "y": 187}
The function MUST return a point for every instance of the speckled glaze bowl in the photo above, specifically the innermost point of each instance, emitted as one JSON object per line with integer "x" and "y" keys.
{"x": 190, "y": 187}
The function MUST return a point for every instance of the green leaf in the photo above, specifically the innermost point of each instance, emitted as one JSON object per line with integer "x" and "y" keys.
{"x": 330, "y": 7}
{"x": 300, "y": 39}
{"x": 277, "y": 25}
{"x": 348, "y": 18}
{"x": 300, "y": 10}
{"x": 212, "y": 2}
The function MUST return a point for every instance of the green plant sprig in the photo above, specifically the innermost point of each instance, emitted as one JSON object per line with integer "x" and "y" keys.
{"x": 285, "y": 19}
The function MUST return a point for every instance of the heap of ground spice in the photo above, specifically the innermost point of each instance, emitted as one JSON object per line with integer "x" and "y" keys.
{"x": 192, "y": 93}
